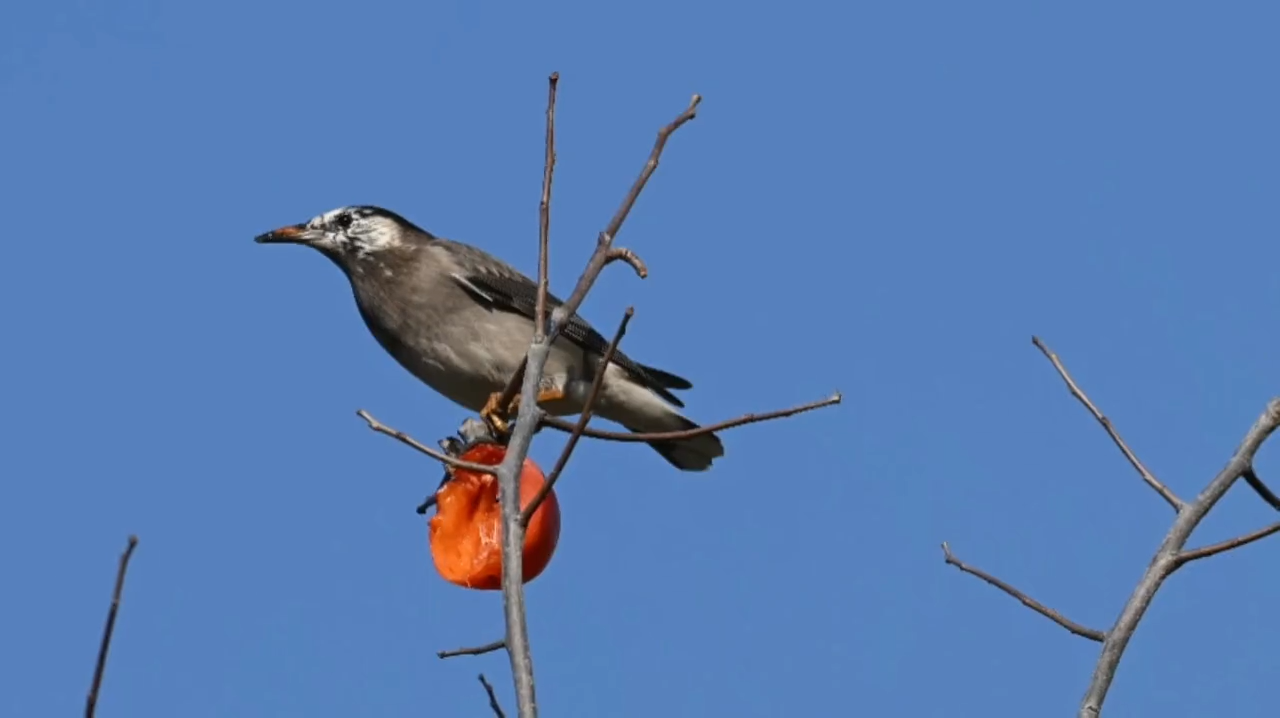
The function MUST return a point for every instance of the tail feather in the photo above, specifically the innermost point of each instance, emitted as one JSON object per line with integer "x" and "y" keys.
{"x": 666, "y": 379}
{"x": 642, "y": 409}
{"x": 692, "y": 454}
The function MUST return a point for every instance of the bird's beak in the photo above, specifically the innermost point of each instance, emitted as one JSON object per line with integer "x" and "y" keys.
{"x": 293, "y": 234}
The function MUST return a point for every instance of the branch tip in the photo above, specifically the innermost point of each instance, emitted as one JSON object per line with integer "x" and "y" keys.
{"x": 474, "y": 651}
{"x": 104, "y": 648}
{"x": 1080, "y": 630}
{"x": 493, "y": 697}
{"x": 630, "y": 437}
{"x": 1171, "y": 498}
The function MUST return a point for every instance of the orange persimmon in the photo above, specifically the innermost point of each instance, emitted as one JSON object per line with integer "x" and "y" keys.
{"x": 466, "y": 532}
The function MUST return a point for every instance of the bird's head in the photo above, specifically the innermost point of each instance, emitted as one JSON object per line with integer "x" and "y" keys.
{"x": 349, "y": 235}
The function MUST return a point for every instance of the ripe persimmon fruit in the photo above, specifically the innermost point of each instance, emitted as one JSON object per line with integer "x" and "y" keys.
{"x": 466, "y": 531}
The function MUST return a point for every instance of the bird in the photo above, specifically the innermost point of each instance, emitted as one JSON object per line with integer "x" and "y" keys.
{"x": 461, "y": 321}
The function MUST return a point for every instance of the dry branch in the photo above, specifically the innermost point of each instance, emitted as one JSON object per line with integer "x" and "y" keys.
{"x": 587, "y": 408}
{"x": 527, "y": 422}
{"x": 407, "y": 440}
{"x": 91, "y": 703}
{"x": 627, "y": 436}
{"x": 1147, "y": 476}
{"x": 1076, "y": 628}
{"x": 1251, "y": 478}
{"x": 1171, "y": 554}
{"x": 493, "y": 697}
{"x": 604, "y": 253}
{"x": 544, "y": 223}
{"x": 1217, "y": 548}
{"x": 474, "y": 651}
{"x": 1166, "y": 560}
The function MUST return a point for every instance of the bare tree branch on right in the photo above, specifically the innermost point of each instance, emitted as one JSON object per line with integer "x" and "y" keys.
{"x": 1172, "y": 553}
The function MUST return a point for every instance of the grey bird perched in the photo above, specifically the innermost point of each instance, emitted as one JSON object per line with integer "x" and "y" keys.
{"x": 461, "y": 321}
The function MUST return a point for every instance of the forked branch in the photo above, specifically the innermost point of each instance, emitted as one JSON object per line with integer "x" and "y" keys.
{"x": 1171, "y": 554}
{"x": 530, "y": 378}
{"x": 605, "y": 253}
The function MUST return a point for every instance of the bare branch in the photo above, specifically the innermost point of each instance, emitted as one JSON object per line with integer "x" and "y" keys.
{"x": 407, "y": 440}
{"x": 1147, "y": 476}
{"x": 493, "y": 698}
{"x": 528, "y": 421}
{"x": 544, "y": 217}
{"x": 475, "y": 651}
{"x": 1169, "y": 557}
{"x": 91, "y": 703}
{"x": 1079, "y": 630}
{"x": 1217, "y": 548}
{"x": 1260, "y": 488}
{"x": 625, "y": 255}
{"x": 626, "y": 436}
{"x": 604, "y": 243}
{"x": 587, "y": 410}
{"x": 1171, "y": 554}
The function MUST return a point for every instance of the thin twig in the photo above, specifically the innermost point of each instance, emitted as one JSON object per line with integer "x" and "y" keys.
{"x": 1079, "y": 394}
{"x": 91, "y": 703}
{"x": 588, "y": 408}
{"x": 1217, "y": 548}
{"x": 493, "y": 697}
{"x": 562, "y": 425}
{"x": 407, "y": 440}
{"x": 1260, "y": 488}
{"x": 544, "y": 213}
{"x": 475, "y": 651}
{"x": 1079, "y": 630}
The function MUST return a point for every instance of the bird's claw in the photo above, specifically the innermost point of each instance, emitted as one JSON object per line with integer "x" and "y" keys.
{"x": 495, "y": 416}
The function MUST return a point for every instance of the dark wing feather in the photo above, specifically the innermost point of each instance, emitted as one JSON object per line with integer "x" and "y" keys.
{"x": 502, "y": 287}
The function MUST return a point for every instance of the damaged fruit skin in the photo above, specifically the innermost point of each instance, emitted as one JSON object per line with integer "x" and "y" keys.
{"x": 466, "y": 532}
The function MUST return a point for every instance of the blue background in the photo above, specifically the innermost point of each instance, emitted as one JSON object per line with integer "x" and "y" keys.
{"x": 884, "y": 199}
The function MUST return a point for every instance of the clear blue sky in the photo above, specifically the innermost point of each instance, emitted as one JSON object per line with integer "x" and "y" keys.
{"x": 886, "y": 199}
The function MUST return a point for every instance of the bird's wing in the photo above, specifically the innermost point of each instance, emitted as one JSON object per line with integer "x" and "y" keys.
{"x": 500, "y": 286}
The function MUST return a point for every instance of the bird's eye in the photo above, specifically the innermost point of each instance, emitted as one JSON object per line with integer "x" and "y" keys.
{"x": 343, "y": 220}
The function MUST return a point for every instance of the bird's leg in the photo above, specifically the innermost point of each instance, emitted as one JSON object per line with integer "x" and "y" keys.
{"x": 552, "y": 394}
{"x": 496, "y": 417}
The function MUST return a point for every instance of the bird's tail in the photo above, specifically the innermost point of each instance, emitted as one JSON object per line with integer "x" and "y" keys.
{"x": 692, "y": 454}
